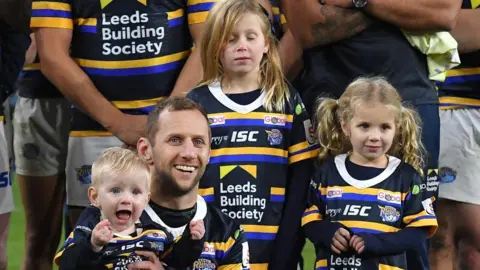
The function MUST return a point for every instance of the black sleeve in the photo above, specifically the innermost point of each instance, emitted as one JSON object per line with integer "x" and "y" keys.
{"x": 238, "y": 256}
{"x": 385, "y": 244}
{"x": 303, "y": 150}
{"x": 76, "y": 252}
{"x": 185, "y": 251}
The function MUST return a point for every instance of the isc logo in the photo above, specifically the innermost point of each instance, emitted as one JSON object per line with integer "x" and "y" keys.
{"x": 138, "y": 244}
{"x": 244, "y": 136}
{"x": 356, "y": 210}
{"x": 5, "y": 181}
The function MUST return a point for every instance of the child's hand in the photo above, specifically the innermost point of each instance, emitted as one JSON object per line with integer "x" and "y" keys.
{"x": 197, "y": 229}
{"x": 340, "y": 241}
{"x": 357, "y": 243}
{"x": 101, "y": 235}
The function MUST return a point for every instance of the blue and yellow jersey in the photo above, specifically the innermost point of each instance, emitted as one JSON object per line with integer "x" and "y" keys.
{"x": 279, "y": 19}
{"x": 33, "y": 84}
{"x": 461, "y": 88}
{"x": 384, "y": 204}
{"x": 132, "y": 50}
{"x": 251, "y": 163}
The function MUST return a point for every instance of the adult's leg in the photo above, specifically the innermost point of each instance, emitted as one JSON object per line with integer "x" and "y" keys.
{"x": 6, "y": 199}
{"x": 4, "y": 221}
{"x": 40, "y": 142}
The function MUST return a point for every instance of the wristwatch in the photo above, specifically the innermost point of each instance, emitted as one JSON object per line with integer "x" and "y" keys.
{"x": 359, "y": 3}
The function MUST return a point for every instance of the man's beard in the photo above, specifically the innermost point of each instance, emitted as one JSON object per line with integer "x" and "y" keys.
{"x": 169, "y": 186}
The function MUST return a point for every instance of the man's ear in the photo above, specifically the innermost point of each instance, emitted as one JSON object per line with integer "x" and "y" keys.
{"x": 145, "y": 150}
{"x": 93, "y": 197}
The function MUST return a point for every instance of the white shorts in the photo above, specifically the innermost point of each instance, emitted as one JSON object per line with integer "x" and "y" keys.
{"x": 82, "y": 151}
{"x": 40, "y": 135}
{"x": 6, "y": 198}
{"x": 460, "y": 155}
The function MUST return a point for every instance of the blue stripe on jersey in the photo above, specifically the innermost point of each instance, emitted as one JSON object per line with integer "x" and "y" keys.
{"x": 176, "y": 21}
{"x": 209, "y": 198}
{"x": 123, "y": 72}
{"x": 359, "y": 197}
{"x": 277, "y": 198}
{"x": 260, "y": 236}
{"x": 360, "y": 230}
{"x": 87, "y": 29}
{"x": 310, "y": 212}
{"x": 200, "y": 7}
{"x": 463, "y": 105}
{"x": 310, "y": 148}
{"x": 461, "y": 79}
{"x": 51, "y": 13}
{"x": 251, "y": 158}
{"x": 422, "y": 217}
{"x": 250, "y": 122}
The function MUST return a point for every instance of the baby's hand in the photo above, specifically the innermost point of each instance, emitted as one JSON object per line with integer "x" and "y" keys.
{"x": 197, "y": 229}
{"x": 357, "y": 243}
{"x": 101, "y": 235}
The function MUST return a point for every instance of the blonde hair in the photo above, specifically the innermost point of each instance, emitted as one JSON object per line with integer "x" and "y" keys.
{"x": 331, "y": 113}
{"x": 216, "y": 32}
{"x": 115, "y": 160}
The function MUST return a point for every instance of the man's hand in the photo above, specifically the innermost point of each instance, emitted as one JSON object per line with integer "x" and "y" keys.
{"x": 340, "y": 241}
{"x": 129, "y": 128}
{"x": 197, "y": 229}
{"x": 101, "y": 235}
{"x": 153, "y": 262}
{"x": 357, "y": 243}
{"x": 338, "y": 3}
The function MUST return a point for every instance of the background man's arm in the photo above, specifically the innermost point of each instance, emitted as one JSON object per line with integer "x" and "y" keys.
{"x": 466, "y": 30}
{"x": 53, "y": 45}
{"x": 313, "y": 24}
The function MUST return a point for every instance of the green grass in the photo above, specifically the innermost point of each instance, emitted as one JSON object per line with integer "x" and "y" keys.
{"x": 16, "y": 237}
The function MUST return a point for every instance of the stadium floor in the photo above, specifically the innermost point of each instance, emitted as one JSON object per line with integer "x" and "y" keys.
{"x": 16, "y": 236}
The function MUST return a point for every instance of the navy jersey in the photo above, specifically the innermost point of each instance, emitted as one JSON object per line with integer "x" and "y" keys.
{"x": 225, "y": 246}
{"x": 386, "y": 203}
{"x": 132, "y": 50}
{"x": 461, "y": 88}
{"x": 254, "y": 153}
{"x": 33, "y": 84}
{"x": 279, "y": 19}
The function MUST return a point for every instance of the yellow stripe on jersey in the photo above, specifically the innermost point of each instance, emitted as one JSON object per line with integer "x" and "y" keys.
{"x": 59, "y": 254}
{"x": 86, "y": 21}
{"x": 109, "y": 266}
{"x": 283, "y": 20}
{"x": 258, "y": 266}
{"x": 369, "y": 226}
{"x": 276, "y": 10}
{"x": 51, "y": 5}
{"x": 388, "y": 267}
{"x": 298, "y": 147}
{"x": 223, "y": 246}
{"x": 277, "y": 191}
{"x": 90, "y": 133}
{"x": 475, "y": 4}
{"x": 451, "y": 103}
{"x": 303, "y": 156}
{"x": 175, "y": 14}
{"x": 311, "y": 214}
{"x": 249, "y": 151}
{"x": 260, "y": 228}
{"x": 206, "y": 191}
{"x": 422, "y": 219}
{"x": 195, "y": 2}
{"x": 51, "y": 23}
{"x": 252, "y": 115}
{"x": 237, "y": 266}
{"x": 132, "y": 63}
{"x": 321, "y": 263}
{"x": 136, "y": 104}
{"x": 34, "y": 66}
{"x": 463, "y": 71}
{"x": 197, "y": 17}
{"x": 1, "y": 118}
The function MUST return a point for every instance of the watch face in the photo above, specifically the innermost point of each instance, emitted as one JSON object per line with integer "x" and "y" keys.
{"x": 359, "y": 3}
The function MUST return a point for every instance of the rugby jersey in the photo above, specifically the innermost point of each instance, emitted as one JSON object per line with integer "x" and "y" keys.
{"x": 132, "y": 50}
{"x": 33, "y": 84}
{"x": 256, "y": 157}
{"x": 461, "y": 88}
{"x": 278, "y": 19}
{"x": 386, "y": 203}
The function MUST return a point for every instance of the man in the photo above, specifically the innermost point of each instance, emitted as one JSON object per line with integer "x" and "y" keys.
{"x": 114, "y": 60}
{"x": 345, "y": 39}
{"x": 177, "y": 145}
{"x": 456, "y": 244}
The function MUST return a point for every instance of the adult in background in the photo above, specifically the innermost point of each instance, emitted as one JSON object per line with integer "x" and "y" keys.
{"x": 456, "y": 244}
{"x": 345, "y": 39}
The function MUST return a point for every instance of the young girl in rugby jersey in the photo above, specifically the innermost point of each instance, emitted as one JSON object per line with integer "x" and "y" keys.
{"x": 365, "y": 205}
{"x": 115, "y": 226}
{"x": 262, "y": 147}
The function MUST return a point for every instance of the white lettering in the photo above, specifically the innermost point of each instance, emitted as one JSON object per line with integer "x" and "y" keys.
{"x": 356, "y": 210}
{"x": 243, "y": 136}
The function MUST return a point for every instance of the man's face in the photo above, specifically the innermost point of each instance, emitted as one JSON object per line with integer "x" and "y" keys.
{"x": 181, "y": 151}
